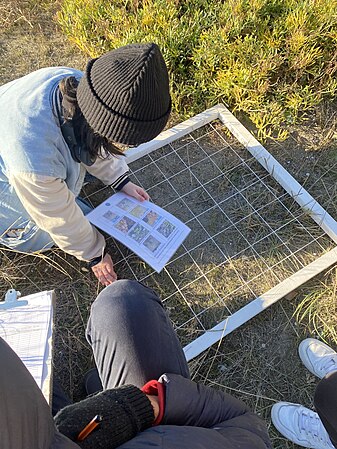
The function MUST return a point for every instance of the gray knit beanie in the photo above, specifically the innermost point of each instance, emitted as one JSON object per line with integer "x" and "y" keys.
{"x": 125, "y": 411}
{"x": 124, "y": 94}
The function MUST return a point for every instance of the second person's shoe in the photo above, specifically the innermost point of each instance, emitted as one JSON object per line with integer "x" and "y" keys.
{"x": 317, "y": 357}
{"x": 300, "y": 425}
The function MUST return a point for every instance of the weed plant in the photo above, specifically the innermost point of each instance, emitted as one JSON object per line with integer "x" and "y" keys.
{"x": 274, "y": 60}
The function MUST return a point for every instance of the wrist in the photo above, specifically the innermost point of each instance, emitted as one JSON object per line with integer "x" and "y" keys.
{"x": 155, "y": 392}
{"x": 155, "y": 405}
{"x": 96, "y": 260}
{"x": 122, "y": 184}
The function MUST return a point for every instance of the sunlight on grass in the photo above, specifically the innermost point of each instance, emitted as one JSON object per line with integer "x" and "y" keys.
{"x": 273, "y": 60}
{"x": 318, "y": 309}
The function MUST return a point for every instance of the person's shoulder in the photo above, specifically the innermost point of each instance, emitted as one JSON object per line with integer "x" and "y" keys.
{"x": 41, "y": 77}
{"x": 51, "y": 72}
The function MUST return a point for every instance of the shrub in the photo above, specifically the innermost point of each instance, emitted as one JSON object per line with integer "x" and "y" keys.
{"x": 275, "y": 60}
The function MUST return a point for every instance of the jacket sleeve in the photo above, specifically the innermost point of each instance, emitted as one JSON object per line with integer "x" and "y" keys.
{"x": 53, "y": 208}
{"x": 190, "y": 404}
{"x": 111, "y": 170}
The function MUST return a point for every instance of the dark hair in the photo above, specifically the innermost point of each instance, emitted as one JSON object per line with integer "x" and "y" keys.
{"x": 97, "y": 145}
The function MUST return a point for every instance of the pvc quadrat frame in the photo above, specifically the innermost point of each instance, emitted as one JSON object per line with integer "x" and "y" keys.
{"x": 309, "y": 207}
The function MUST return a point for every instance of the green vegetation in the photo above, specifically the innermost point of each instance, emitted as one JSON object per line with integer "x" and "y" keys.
{"x": 275, "y": 60}
{"x": 317, "y": 309}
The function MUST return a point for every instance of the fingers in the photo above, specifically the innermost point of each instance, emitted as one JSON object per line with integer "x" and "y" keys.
{"x": 137, "y": 196}
{"x": 140, "y": 194}
{"x": 106, "y": 278}
{"x": 104, "y": 271}
{"x": 135, "y": 191}
{"x": 144, "y": 195}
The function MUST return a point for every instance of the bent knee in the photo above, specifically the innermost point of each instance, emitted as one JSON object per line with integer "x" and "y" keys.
{"x": 326, "y": 393}
{"x": 125, "y": 294}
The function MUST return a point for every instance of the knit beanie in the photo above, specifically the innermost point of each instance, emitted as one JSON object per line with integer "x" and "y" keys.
{"x": 125, "y": 411}
{"x": 124, "y": 94}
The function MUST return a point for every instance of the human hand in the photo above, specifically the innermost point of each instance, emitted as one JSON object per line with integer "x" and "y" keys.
{"x": 135, "y": 191}
{"x": 104, "y": 271}
{"x": 155, "y": 405}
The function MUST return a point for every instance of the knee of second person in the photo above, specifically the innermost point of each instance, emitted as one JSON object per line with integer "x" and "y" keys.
{"x": 120, "y": 294}
{"x": 326, "y": 392}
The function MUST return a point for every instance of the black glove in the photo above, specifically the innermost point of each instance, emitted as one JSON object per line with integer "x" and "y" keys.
{"x": 125, "y": 411}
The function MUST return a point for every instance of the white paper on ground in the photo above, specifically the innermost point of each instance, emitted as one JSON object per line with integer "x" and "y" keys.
{"x": 28, "y": 331}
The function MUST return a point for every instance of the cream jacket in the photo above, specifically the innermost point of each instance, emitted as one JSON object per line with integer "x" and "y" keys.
{"x": 53, "y": 208}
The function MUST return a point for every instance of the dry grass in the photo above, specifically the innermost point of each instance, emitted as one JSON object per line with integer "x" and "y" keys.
{"x": 258, "y": 362}
{"x": 29, "y": 39}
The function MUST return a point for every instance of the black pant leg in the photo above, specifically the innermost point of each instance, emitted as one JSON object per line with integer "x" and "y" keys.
{"x": 132, "y": 339}
{"x": 59, "y": 399}
{"x": 325, "y": 401}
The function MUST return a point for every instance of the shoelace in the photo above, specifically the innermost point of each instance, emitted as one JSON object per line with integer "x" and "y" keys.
{"x": 327, "y": 364}
{"x": 311, "y": 425}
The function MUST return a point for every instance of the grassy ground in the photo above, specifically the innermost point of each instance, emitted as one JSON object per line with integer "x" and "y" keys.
{"x": 258, "y": 362}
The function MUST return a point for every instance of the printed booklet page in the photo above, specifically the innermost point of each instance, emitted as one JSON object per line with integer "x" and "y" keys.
{"x": 148, "y": 230}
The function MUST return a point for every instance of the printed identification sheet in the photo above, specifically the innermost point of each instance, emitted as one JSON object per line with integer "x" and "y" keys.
{"x": 148, "y": 230}
{"x": 28, "y": 330}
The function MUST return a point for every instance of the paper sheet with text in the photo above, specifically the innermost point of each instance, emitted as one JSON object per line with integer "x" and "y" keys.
{"x": 28, "y": 330}
{"x": 148, "y": 230}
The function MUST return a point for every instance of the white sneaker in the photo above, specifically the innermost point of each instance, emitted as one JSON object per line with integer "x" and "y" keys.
{"x": 317, "y": 357}
{"x": 300, "y": 425}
